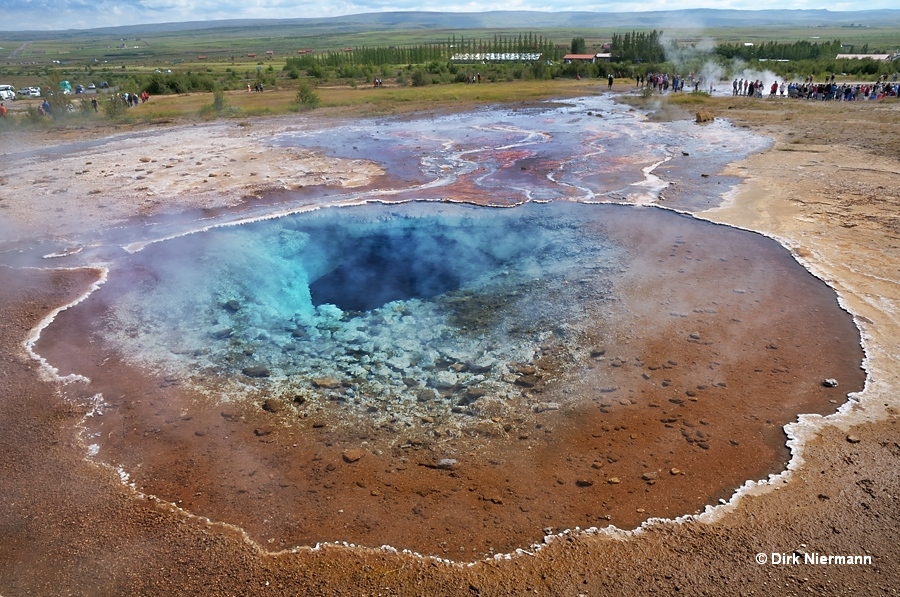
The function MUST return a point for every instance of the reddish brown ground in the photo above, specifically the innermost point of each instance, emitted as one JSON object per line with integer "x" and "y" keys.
{"x": 717, "y": 339}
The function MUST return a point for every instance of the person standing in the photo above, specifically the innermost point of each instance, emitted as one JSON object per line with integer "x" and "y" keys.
{"x": 610, "y": 79}
{"x": 2, "y": 110}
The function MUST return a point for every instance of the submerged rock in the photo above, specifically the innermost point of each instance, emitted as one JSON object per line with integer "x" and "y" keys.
{"x": 256, "y": 371}
{"x": 527, "y": 381}
{"x": 328, "y": 383}
{"x": 545, "y": 406}
{"x": 426, "y": 395}
{"x": 222, "y": 333}
{"x": 272, "y": 405}
{"x": 445, "y": 380}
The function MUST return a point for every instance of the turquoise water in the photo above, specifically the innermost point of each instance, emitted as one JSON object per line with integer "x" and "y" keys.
{"x": 401, "y": 303}
{"x": 413, "y": 296}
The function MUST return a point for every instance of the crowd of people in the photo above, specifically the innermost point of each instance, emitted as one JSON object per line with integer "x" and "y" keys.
{"x": 664, "y": 82}
{"x": 128, "y": 99}
{"x": 844, "y": 92}
{"x": 829, "y": 89}
{"x": 825, "y": 90}
{"x": 134, "y": 99}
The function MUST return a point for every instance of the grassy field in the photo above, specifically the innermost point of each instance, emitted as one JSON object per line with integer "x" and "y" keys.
{"x": 96, "y": 56}
{"x": 230, "y": 45}
{"x": 371, "y": 101}
{"x": 334, "y": 101}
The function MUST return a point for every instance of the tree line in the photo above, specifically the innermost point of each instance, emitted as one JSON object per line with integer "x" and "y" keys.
{"x": 638, "y": 46}
{"x": 774, "y": 50}
{"x": 523, "y": 43}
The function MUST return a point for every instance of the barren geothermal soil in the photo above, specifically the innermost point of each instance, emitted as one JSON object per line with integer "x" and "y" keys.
{"x": 420, "y": 357}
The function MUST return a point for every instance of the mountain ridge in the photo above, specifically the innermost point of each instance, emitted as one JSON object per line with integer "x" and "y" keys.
{"x": 406, "y": 20}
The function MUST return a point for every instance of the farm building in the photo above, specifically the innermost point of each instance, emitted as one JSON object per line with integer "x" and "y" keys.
{"x": 569, "y": 58}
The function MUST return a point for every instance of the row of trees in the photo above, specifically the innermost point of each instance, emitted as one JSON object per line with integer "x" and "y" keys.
{"x": 775, "y": 50}
{"x": 426, "y": 53}
{"x": 638, "y": 46}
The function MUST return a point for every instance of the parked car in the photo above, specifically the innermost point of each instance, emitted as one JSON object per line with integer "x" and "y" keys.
{"x": 91, "y": 86}
{"x": 7, "y": 92}
{"x": 104, "y": 85}
{"x": 79, "y": 89}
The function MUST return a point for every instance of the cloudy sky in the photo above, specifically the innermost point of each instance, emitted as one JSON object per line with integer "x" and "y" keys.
{"x": 18, "y": 15}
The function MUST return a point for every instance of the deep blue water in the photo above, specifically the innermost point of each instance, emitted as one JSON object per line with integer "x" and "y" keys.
{"x": 375, "y": 293}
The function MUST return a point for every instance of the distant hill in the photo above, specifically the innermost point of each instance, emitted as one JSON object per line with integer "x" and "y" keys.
{"x": 398, "y": 21}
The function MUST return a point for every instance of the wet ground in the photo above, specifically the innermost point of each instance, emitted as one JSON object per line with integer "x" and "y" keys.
{"x": 660, "y": 386}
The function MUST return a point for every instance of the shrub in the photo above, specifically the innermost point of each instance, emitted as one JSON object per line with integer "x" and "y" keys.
{"x": 114, "y": 108}
{"x": 220, "y": 103}
{"x": 306, "y": 97}
{"x": 218, "y": 107}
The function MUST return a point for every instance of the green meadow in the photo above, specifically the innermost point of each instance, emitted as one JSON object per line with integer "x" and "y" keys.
{"x": 182, "y": 68}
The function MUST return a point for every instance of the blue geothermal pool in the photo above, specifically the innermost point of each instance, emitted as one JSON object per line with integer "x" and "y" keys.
{"x": 406, "y": 300}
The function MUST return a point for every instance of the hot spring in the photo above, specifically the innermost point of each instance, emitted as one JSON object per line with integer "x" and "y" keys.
{"x": 394, "y": 311}
{"x": 454, "y": 378}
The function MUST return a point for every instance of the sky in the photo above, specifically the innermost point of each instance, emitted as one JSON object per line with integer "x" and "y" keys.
{"x": 21, "y": 15}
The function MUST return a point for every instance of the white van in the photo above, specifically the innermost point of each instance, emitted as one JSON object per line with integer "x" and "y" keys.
{"x": 7, "y": 92}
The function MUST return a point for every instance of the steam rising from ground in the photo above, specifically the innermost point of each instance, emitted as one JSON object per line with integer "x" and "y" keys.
{"x": 701, "y": 59}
